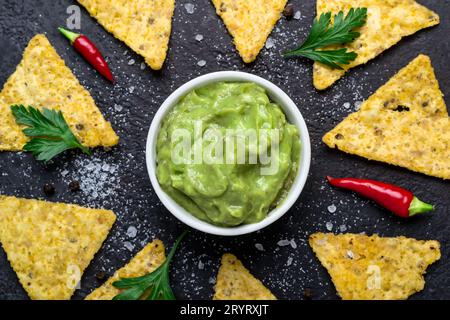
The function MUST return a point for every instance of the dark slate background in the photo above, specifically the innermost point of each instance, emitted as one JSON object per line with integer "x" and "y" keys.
{"x": 117, "y": 179}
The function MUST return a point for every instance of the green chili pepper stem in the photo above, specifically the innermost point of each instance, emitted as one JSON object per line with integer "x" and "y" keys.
{"x": 417, "y": 206}
{"x": 72, "y": 36}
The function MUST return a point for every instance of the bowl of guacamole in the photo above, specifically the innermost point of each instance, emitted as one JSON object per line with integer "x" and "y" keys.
{"x": 228, "y": 153}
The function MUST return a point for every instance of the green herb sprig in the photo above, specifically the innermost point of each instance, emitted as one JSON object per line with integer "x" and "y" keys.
{"x": 49, "y": 132}
{"x": 324, "y": 34}
{"x": 152, "y": 286}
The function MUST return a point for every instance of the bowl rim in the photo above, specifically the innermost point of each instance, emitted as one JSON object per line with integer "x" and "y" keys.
{"x": 292, "y": 114}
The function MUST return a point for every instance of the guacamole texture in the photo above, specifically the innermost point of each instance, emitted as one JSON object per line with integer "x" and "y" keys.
{"x": 227, "y": 154}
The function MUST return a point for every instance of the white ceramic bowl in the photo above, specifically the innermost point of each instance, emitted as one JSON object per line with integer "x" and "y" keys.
{"x": 293, "y": 115}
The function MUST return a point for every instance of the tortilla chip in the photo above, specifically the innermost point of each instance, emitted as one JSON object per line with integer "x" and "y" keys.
{"x": 234, "y": 282}
{"x": 249, "y": 22}
{"x": 146, "y": 261}
{"x": 49, "y": 245}
{"x": 143, "y": 25}
{"x": 405, "y": 123}
{"x": 43, "y": 80}
{"x": 387, "y": 22}
{"x": 374, "y": 268}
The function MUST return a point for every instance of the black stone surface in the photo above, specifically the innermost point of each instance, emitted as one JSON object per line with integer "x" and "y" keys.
{"x": 127, "y": 189}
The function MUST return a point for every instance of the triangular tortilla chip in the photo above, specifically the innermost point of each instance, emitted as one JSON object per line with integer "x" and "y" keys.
{"x": 43, "y": 80}
{"x": 49, "y": 245}
{"x": 404, "y": 123}
{"x": 234, "y": 282}
{"x": 146, "y": 261}
{"x": 143, "y": 25}
{"x": 249, "y": 22}
{"x": 374, "y": 268}
{"x": 387, "y": 22}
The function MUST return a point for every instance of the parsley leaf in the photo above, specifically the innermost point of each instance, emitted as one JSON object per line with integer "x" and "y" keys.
{"x": 49, "y": 132}
{"x": 323, "y": 34}
{"x": 152, "y": 286}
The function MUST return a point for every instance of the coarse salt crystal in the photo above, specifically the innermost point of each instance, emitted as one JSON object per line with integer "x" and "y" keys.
{"x": 201, "y": 63}
{"x": 143, "y": 66}
{"x": 128, "y": 245}
{"x": 297, "y": 15}
{"x": 293, "y": 244}
{"x": 329, "y": 226}
{"x": 270, "y": 43}
{"x": 342, "y": 228}
{"x": 331, "y": 208}
{"x": 283, "y": 243}
{"x": 347, "y": 105}
{"x": 131, "y": 232}
{"x": 199, "y": 37}
{"x": 190, "y": 8}
{"x": 259, "y": 247}
{"x": 358, "y": 104}
{"x": 212, "y": 280}
{"x": 201, "y": 265}
{"x": 289, "y": 261}
{"x": 131, "y": 62}
{"x": 118, "y": 108}
{"x": 131, "y": 89}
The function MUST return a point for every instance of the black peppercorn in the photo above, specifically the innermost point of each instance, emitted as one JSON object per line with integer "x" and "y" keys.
{"x": 74, "y": 186}
{"x": 49, "y": 189}
{"x": 288, "y": 11}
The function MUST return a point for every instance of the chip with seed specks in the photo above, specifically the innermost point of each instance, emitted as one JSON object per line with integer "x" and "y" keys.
{"x": 143, "y": 25}
{"x": 249, "y": 22}
{"x": 404, "y": 123}
{"x": 42, "y": 80}
{"x": 387, "y": 22}
{"x": 374, "y": 268}
{"x": 49, "y": 245}
{"x": 234, "y": 282}
{"x": 146, "y": 261}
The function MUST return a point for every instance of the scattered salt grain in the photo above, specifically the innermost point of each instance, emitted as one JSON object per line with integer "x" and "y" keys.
{"x": 283, "y": 243}
{"x": 259, "y": 247}
{"x": 293, "y": 244}
{"x": 190, "y": 8}
{"x": 270, "y": 43}
{"x": 143, "y": 66}
{"x": 347, "y": 105}
{"x": 131, "y": 62}
{"x": 131, "y": 232}
{"x": 64, "y": 173}
{"x": 201, "y": 265}
{"x": 199, "y": 37}
{"x": 289, "y": 261}
{"x": 106, "y": 167}
{"x": 128, "y": 245}
{"x": 342, "y": 228}
{"x": 131, "y": 89}
{"x": 201, "y": 63}
{"x": 350, "y": 254}
{"x": 297, "y": 15}
{"x": 358, "y": 104}
{"x": 332, "y": 208}
{"x": 212, "y": 280}
{"x": 329, "y": 226}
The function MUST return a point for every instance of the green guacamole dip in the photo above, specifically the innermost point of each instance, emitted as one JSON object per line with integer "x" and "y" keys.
{"x": 227, "y": 192}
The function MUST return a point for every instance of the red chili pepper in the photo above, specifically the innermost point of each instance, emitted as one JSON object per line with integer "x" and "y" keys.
{"x": 398, "y": 200}
{"x": 89, "y": 51}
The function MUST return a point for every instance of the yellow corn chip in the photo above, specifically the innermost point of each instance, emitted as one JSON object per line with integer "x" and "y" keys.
{"x": 404, "y": 123}
{"x": 143, "y": 25}
{"x": 249, "y": 22}
{"x": 43, "y": 81}
{"x": 234, "y": 282}
{"x": 387, "y": 22}
{"x": 374, "y": 268}
{"x": 49, "y": 245}
{"x": 146, "y": 261}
